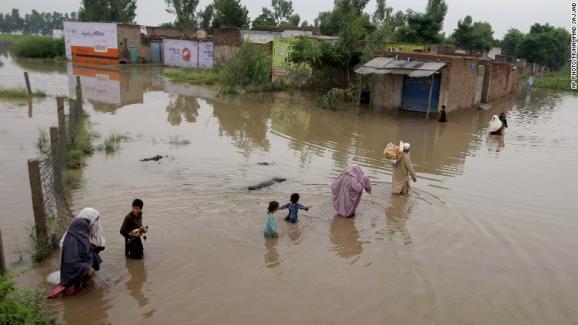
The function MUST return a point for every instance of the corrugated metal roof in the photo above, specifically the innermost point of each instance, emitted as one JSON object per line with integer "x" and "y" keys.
{"x": 414, "y": 68}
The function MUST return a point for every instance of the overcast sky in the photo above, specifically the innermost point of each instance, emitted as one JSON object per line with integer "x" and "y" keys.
{"x": 501, "y": 14}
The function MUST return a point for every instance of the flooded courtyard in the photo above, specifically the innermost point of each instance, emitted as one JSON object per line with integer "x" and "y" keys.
{"x": 487, "y": 234}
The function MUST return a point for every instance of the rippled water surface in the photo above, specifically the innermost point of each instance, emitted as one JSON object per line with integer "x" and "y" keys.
{"x": 487, "y": 235}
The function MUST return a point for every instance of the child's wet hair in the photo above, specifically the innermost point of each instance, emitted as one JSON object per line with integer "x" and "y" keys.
{"x": 137, "y": 203}
{"x": 294, "y": 197}
{"x": 273, "y": 206}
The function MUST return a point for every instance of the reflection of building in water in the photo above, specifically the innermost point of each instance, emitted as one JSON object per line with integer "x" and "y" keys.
{"x": 271, "y": 256}
{"x": 397, "y": 214}
{"x": 245, "y": 122}
{"x": 345, "y": 237}
{"x": 182, "y": 106}
{"x": 107, "y": 87}
{"x": 437, "y": 148}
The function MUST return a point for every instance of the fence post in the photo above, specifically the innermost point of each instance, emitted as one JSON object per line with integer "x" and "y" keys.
{"x": 61, "y": 129}
{"x": 29, "y": 107}
{"x": 28, "y": 88}
{"x": 2, "y": 259}
{"x": 37, "y": 199}
{"x": 78, "y": 89}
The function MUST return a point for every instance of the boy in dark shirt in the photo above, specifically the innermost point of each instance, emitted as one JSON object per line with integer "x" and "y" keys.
{"x": 132, "y": 229}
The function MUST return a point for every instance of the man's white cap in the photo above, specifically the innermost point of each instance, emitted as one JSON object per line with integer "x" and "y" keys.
{"x": 406, "y": 146}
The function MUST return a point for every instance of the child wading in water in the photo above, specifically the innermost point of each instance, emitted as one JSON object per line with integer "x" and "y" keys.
{"x": 271, "y": 225}
{"x": 294, "y": 208}
{"x": 132, "y": 229}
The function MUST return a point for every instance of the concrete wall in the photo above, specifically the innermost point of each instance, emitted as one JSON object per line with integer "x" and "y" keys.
{"x": 226, "y": 44}
{"x": 386, "y": 92}
{"x": 501, "y": 81}
{"x": 129, "y": 36}
{"x": 170, "y": 32}
{"x": 459, "y": 78}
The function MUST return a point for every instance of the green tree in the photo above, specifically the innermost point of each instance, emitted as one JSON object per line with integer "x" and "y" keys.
{"x": 282, "y": 9}
{"x": 424, "y": 27}
{"x": 280, "y": 15}
{"x": 184, "y": 10}
{"x": 546, "y": 45}
{"x": 206, "y": 17}
{"x": 473, "y": 36}
{"x": 230, "y": 13}
{"x": 108, "y": 10}
{"x": 512, "y": 41}
{"x": 265, "y": 19}
{"x": 305, "y": 24}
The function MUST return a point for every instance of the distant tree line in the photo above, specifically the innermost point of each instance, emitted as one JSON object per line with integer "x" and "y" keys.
{"x": 35, "y": 23}
{"x": 361, "y": 34}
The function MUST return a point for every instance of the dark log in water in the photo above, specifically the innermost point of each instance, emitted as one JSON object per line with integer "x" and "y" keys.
{"x": 266, "y": 183}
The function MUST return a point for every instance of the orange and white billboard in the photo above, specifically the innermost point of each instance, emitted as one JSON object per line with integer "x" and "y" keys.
{"x": 91, "y": 42}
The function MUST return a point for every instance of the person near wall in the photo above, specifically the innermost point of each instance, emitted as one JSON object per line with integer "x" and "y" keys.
{"x": 402, "y": 171}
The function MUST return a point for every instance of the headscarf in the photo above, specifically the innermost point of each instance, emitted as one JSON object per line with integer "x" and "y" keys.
{"x": 76, "y": 259}
{"x": 96, "y": 234}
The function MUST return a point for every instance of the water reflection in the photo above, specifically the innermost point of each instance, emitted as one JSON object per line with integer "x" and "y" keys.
{"x": 345, "y": 237}
{"x": 89, "y": 306}
{"x": 245, "y": 122}
{"x": 495, "y": 143}
{"x": 182, "y": 106}
{"x": 397, "y": 214}
{"x": 138, "y": 277}
{"x": 271, "y": 256}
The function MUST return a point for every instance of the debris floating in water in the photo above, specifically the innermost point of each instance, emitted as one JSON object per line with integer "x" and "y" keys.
{"x": 155, "y": 158}
{"x": 266, "y": 183}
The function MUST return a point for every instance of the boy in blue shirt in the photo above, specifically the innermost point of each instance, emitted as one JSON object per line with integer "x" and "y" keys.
{"x": 271, "y": 225}
{"x": 294, "y": 208}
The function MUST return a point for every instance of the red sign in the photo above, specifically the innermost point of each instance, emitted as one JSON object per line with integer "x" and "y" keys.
{"x": 186, "y": 55}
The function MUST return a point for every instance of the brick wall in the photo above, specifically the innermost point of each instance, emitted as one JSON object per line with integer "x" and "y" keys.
{"x": 227, "y": 37}
{"x": 503, "y": 80}
{"x": 131, "y": 35}
{"x": 458, "y": 78}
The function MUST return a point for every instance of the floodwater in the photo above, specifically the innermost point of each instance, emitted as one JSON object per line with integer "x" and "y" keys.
{"x": 487, "y": 234}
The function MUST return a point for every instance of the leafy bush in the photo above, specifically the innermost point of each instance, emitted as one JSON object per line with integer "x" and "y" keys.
{"x": 39, "y": 47}
{"x": 18, "y": 306}
{"x": 335, "y": 98}
{"x": 248, "y": 71}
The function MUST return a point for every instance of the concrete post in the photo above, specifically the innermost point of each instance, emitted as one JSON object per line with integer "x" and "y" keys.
{"x": 3, "y": 268}
{"x": 41, "y": 225}
{"x": 28, "y": 88}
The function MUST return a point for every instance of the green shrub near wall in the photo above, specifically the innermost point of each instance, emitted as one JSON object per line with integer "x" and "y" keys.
{"x": 39, "y": 47}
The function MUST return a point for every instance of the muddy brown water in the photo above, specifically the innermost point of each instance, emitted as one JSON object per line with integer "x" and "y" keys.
{"x": 487, "y": 234}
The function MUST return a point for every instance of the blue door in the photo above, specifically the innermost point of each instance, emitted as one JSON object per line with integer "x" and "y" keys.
{"x": 133, "y": 54}
{"x": 416, "y": 93}
{"x": 156, "y": 52}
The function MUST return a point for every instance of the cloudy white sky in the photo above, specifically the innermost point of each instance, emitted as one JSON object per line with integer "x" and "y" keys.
{"x": 502, "y": 14}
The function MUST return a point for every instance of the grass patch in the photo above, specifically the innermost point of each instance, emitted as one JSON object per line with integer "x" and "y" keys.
{"x": 19, "y": 93}
{"x": 40, "y": 47}
{"x": 43, "y": 143}
{"x": 43, "y": 248}
{"x": 21, "y": 306}
{"x": 558, "y": 80}
{"x": 178, "y": 141}
{"x": 195, "y": 77}
{"x": 81, "y": 146}
{"x": 72, "y": 179}
{"x": 111, "y": 143}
